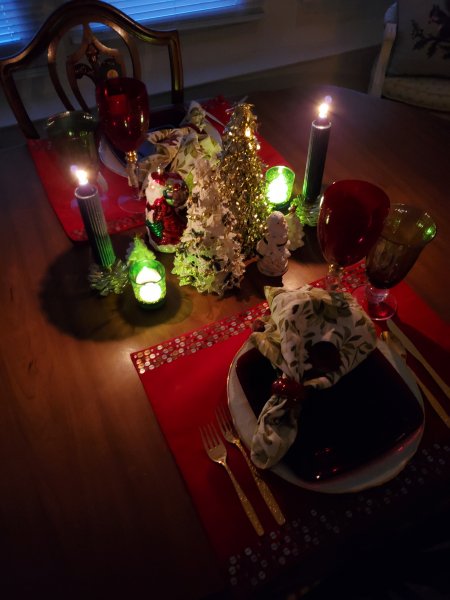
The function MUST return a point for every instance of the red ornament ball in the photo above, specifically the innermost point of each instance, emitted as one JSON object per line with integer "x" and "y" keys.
{"x": 258, "y": 325}
{"x": 286, "y": 387}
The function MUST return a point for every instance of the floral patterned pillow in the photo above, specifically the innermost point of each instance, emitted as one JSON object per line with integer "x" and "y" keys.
{"x": 422, "y": 44}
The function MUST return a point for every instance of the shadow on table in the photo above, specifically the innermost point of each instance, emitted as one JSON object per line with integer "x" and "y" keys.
{"x": 70, "y": 304}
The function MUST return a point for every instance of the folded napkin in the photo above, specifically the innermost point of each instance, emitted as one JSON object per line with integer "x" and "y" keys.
{"x": 313, "y": 337}
{"x": 177, "y": 150}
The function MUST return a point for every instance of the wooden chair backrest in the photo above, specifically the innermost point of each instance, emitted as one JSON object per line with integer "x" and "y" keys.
{"x": 92, "y": 59}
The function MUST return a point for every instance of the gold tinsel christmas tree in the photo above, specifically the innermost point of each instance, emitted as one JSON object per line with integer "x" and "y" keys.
{"x": 241, "y": 177}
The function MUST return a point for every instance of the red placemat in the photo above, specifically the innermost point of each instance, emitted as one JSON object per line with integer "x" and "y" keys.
{"x": 60, "y": 189}
{"x": 185, "y": 380}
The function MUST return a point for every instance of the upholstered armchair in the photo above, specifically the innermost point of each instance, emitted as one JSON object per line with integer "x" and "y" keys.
{"x": 413, "y": 65}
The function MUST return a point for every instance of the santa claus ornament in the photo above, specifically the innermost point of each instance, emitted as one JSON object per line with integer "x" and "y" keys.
{"x": 165, "y": 210}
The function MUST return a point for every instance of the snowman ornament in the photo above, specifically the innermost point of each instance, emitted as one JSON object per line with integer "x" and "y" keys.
{"x": 273, "y": 249}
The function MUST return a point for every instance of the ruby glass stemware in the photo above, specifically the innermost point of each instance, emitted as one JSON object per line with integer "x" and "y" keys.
{"x": 123, "y": 109}
{"x": 351, "y": 217}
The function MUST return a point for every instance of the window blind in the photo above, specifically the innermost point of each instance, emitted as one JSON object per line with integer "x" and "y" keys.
{"x": 167, "y": 10}
{"x": 20, "y": 19}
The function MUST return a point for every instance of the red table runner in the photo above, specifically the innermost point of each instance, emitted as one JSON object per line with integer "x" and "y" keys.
{"x": 60, "y": 188}
{"x": 185, "y": 380}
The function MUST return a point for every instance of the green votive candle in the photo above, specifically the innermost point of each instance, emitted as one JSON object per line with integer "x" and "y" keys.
{"x": 148, "y": 280}
{"x": 279, "y": 184}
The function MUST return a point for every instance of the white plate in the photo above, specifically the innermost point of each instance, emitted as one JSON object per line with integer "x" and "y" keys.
{"x": 373, "y": 473}
{"x": 109, "y": 159}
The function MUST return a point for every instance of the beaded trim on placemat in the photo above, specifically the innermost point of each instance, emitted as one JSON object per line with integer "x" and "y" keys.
{"x": 317, "y": 524}
{"x": 189, "y": 343}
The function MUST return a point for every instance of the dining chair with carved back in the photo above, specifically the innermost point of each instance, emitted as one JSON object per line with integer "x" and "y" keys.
{"x": 91, "y": 58}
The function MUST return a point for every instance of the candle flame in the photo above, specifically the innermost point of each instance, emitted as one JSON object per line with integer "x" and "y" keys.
{"x": 82, "y": 177}
{"x": 323, "y": 110}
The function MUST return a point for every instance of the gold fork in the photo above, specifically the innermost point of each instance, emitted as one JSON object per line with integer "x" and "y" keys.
{"x": 231, "y": 436}
{"x": 217, "y": 452}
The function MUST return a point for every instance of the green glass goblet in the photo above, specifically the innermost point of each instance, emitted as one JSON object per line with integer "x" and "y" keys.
{"x": 73, "y": 137}
{"x": 406, "y": 232}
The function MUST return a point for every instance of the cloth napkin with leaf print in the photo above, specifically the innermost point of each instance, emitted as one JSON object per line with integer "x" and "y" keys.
{"x": 177, "y": 150}
{"x": 312, "y": 338}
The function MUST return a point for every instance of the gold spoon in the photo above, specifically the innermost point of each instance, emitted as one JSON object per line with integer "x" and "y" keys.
{"x": 396, "y": 346}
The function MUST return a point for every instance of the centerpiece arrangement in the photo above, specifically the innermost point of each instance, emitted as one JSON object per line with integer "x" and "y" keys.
{"x": 212, "y": 202}
{"x": 206, "y": 198}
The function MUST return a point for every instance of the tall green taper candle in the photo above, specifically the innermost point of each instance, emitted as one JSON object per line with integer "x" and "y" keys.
{"x": 94, "y": 221}
{"x": 317, "y": 153}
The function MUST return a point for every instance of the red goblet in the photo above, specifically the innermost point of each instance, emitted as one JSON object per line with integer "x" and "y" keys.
{"x": 350, "y": 220}
{"x": 123, "y": 109}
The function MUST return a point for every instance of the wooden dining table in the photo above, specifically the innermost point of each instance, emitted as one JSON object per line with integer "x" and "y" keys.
{"x": 92, "y": 504}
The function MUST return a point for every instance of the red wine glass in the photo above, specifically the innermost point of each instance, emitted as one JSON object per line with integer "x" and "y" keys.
{"x": 405, "y": 234}
{"x": 351, "y": 217}
{"x": 123, "y": 110}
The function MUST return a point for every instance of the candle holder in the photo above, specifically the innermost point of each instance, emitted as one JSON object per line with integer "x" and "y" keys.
{"x": 307, "y": 212}
{"x": 148, "y": 280}
{"x": 108, "y": 280}
{"x": 279, "y": 184}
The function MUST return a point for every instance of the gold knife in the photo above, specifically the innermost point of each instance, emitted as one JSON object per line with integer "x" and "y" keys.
{"x": 415, "y": 352}
{"x": 434, "y": 402}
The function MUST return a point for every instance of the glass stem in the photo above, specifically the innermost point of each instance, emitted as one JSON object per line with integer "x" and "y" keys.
{"x": 132, "y": 171}
{"x": 334, "y": 278}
